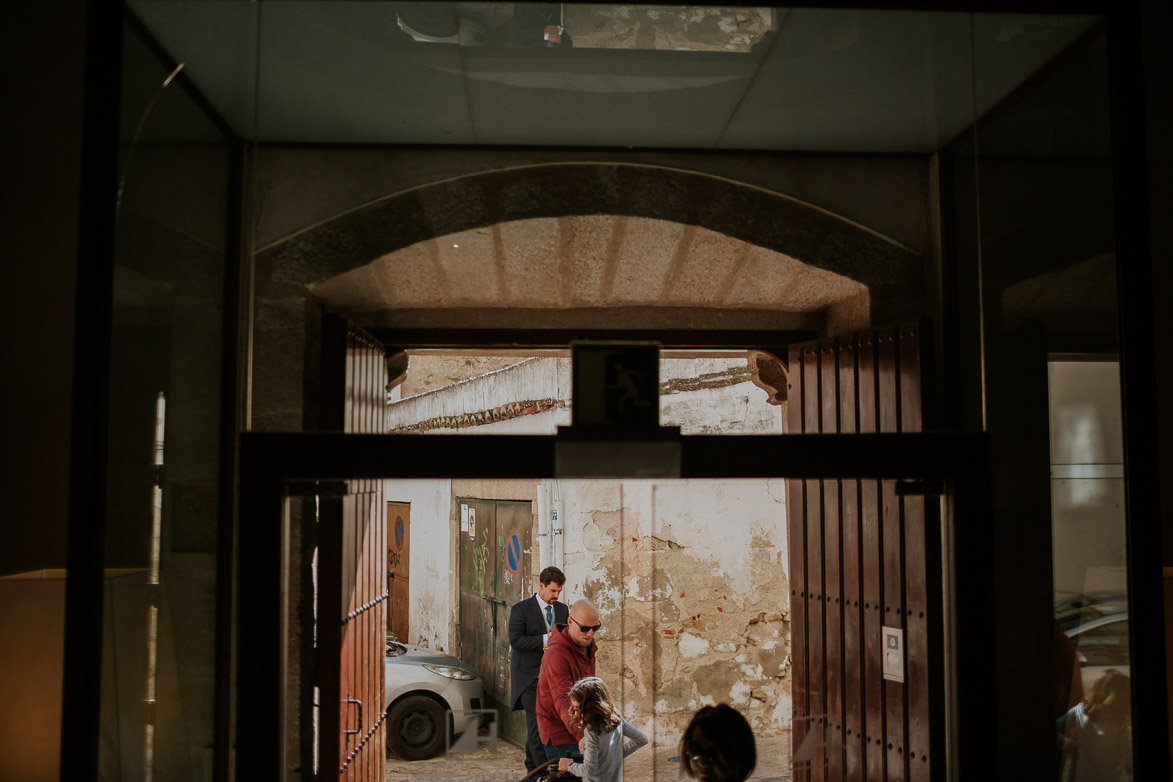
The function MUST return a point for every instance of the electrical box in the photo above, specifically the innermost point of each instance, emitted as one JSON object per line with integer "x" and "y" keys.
{"x": 893, "y": 651}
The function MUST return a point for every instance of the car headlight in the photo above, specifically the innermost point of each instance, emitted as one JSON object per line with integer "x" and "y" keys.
{"x": 450, "y": 672}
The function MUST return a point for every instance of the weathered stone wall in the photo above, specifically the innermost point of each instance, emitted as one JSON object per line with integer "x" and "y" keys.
{"x": 533, "y": 396}
{"x": 529, "y": 387}
{"x": 690, "y": 580}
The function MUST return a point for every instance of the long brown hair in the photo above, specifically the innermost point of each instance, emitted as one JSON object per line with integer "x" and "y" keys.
{"x": 595, "y": 710}
{"x": 1109, "y": 697}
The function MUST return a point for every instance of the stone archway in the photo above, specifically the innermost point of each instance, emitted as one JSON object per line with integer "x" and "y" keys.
{"x": 570, "y": 245}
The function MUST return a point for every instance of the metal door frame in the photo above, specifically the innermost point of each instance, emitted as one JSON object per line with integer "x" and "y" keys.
{"x": 271, "y": 462}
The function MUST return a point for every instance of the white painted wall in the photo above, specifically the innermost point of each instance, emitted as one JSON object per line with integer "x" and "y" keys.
{"x": 433, "y": 580}
{"x": 739, "y": 408}
{"x": 528, "y": 380}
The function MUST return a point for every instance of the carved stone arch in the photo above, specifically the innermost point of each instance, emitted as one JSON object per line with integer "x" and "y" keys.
{"x": 892, "y": 272}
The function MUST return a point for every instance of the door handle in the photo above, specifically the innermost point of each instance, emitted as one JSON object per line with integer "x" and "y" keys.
{"x": 350, "y": 700}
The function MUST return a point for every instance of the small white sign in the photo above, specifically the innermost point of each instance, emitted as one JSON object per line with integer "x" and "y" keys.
{"x": 463, "y": 517}
{"x": 893, "y": 651}
{"x": 472, "y": 522}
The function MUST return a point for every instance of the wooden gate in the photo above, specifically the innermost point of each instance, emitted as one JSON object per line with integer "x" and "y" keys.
{"x": 860, "y": 557}
{"x": 398, "y": 568}
{"x": 494, "y": 574}
{"x": 352, "y": 569}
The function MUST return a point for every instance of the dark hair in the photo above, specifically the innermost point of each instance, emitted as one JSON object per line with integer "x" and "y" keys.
{"x": 1109, "y": 696}
{"x": 722, "y": 726}
{"x": 551, "y": 574}
{"x": 595, "y": 710}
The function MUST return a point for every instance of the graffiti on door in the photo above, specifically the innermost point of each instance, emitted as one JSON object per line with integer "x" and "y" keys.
{"x": 495, "y": 572}
{"x": 480, "y": 560}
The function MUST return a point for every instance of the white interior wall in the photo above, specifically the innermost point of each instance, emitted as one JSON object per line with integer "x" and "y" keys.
{"x": 1087, "y": 476}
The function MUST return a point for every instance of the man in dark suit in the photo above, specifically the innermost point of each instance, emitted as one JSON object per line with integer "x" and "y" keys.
{"x": 530, "y": 622}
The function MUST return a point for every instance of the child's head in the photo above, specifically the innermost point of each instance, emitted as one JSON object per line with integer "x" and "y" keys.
{"x": 1109, "y": 698}
{"x": 592, "y": 705}
{"x": 718, "y": 746}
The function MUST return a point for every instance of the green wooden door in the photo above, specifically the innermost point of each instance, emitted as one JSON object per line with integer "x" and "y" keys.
{"x": 495, "y": 572}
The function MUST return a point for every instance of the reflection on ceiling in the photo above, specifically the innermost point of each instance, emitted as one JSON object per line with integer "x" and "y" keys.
{"x": 601, "y": 75}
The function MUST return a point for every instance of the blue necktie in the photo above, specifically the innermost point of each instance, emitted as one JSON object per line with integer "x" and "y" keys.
{"x": 549, "y": 616}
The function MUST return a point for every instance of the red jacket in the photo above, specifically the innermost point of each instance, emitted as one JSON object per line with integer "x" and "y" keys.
{"x": 564, "y": 663}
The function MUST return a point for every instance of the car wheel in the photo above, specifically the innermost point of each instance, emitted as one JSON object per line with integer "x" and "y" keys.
{"x": 416, "y": 728}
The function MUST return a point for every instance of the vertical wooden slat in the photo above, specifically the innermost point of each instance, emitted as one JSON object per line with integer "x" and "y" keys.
{"x": 796, "y": 526}
{"x": 358, "y": 624}
{"x": 916, "y": 569}
{"x": 381, "y": 680}
{"x": 851, "y": 564}
{"x": 364, "y": 387}
{"x": 370, "y": 705}
{"x": 368, "y": 661}
{"x": 832, "y": 597}
{"x": 364, "y": 660}
{"x": 330, "y": 645}
{"x": 347, "y": 640}
{"x": 895, "y": 737}
{"x": 352, "y": 626}
{"x": 873, "y": 727}
{"x": 816, "y": 628}
{"x": 380, "y": 738}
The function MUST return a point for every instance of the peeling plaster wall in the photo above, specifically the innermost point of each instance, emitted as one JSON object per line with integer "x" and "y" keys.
{"x": 690, "y": 577}
{"x": 690, "y": 580}
{"x": 696, "y": 400}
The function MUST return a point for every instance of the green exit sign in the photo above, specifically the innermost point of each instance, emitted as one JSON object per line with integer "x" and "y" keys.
{"x": 615, "y": 384}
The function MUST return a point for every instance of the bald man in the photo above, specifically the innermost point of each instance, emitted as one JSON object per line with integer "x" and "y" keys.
{"x": 570, "y": 655}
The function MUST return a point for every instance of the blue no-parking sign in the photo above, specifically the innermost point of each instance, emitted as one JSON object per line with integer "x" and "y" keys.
{"x": 513, "y": 551}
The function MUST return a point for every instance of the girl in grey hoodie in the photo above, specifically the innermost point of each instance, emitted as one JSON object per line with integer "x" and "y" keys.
{"x": 607, "y": 737}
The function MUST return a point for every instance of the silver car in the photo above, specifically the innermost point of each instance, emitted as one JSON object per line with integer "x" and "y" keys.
{"x": 429, "y": 697}
{"x": 1099, "y": 631}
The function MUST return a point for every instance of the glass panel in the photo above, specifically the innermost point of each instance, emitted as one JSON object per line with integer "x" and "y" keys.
{"x": 165, "y": 412}
{"x": 820, "y": 223}
{"x": 1090, "y": 565}
{"x": 1042, "y": 171}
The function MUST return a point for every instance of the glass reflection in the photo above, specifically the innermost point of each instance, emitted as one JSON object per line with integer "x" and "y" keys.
{"x": 1091, "y": 599}
{"x": 158, "y": 656}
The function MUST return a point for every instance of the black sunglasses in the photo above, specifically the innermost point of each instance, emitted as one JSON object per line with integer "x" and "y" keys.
{"x": 585, "y": 628}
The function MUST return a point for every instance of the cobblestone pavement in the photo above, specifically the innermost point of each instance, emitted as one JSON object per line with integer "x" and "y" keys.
{"x": 507, "y": 765}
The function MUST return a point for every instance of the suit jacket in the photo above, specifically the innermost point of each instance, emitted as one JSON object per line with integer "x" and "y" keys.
{"x": 527, "y": 625}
